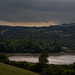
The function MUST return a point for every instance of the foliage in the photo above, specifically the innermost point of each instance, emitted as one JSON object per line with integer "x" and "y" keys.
{"x": 63, "y": 34}
{"x": 21, "y": 64}
{"x": 38, "y": 67}
{"x": 68, "y": 72}
{"x": 43, "y": 58}
{"x": 3, "y": 57}
{"x": 54, "y": 70}
{"x": 26, "y": 46}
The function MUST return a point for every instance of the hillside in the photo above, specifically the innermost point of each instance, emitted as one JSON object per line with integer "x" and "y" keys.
{"x": 63, "y": 34}
{"x": 11, "y": 70}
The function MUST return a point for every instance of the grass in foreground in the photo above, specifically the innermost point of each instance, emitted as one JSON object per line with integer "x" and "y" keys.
{"x": 12, "y": 70}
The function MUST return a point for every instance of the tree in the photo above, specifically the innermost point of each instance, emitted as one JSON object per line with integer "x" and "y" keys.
{"x": 43, "y": 58}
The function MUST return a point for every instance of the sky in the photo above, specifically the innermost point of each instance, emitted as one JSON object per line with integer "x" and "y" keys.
{"x": 36, "y": 12}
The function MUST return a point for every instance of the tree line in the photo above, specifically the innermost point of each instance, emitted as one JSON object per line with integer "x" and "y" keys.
{"x": 63, "y": 34}
{"x": 27, "y": 46}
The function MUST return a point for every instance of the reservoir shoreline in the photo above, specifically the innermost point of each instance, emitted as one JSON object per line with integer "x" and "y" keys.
{"x": 38, "y": 54}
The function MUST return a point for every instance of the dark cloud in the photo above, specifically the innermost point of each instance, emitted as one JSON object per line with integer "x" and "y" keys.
{"x": 37, "y": 10}
{"x": 41, "y": 5}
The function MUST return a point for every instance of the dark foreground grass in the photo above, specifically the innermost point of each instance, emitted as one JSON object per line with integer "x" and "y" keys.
{"x": 11, "y": 70}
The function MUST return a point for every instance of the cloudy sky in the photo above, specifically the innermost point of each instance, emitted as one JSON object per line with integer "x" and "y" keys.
{"x": 36, "y": 12}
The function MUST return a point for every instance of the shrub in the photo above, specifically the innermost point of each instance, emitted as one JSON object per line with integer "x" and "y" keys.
{"x": 38, "y": 67}
{"x": 3, "y": 57}
{"x": 21, "y": 64}
{"x": 68, "y": 72}
{"x": 53, "y": 70}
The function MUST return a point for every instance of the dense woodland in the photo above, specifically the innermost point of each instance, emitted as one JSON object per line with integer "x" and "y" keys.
{"x": 62, "y": 34}
{"x": 27, "y": 46}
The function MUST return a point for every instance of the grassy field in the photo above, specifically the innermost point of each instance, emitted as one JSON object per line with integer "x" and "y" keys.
{"x": 11, "y": 70}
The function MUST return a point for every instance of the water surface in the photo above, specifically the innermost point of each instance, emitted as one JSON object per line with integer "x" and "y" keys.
{"x": 63, "y": 59}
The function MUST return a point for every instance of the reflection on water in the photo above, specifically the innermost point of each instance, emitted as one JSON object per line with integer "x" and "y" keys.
{"x": 63, "y": 59}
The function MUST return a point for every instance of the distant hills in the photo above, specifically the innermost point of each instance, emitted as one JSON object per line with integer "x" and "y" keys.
{"x": 63, "y": 34}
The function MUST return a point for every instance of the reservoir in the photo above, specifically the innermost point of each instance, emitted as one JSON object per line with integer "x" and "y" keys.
{"x": 63, "y": 59}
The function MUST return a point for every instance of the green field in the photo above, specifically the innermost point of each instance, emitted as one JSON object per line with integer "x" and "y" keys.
{"x": 11, "y": 70}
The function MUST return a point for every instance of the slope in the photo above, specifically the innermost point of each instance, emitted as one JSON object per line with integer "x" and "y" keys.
{"x": 11, "y": 70}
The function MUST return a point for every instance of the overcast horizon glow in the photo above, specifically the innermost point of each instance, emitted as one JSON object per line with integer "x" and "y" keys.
{"x": 36, "y": 12}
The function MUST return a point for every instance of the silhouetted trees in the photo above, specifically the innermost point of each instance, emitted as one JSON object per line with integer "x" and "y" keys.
{"x": 43, "y": 58}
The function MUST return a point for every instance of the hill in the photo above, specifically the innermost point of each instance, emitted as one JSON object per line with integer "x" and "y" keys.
{"x": 63, "y": 34}
{"x": 11, "y": 70}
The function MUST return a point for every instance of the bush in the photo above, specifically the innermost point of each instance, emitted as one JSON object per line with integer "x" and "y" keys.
{"x": 68, "y": 72}
{"x": 21, "y": 64}
{"x": 38, "y": 67}
{"x": 53, "y": 70}
{"x": 48, "y": 71}
{"x": 3, "y": 57}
